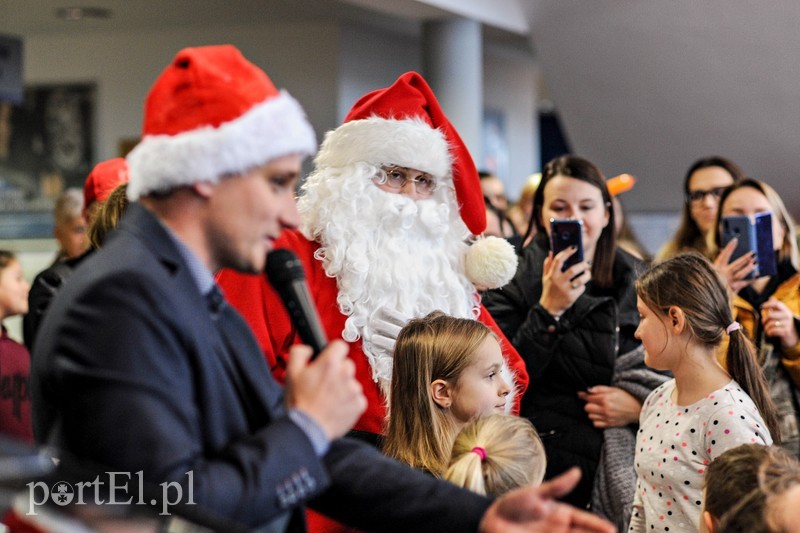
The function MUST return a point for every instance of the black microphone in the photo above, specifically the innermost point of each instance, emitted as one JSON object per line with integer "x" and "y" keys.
{"x": 285, "y": 274}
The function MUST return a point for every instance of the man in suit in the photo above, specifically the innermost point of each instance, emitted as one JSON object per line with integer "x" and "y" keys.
{"x": 142, "y": 366}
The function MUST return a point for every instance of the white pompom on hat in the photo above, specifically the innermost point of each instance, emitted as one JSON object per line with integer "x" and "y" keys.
{"x": 213, "y": 113}
{"x": 490, "y": 262}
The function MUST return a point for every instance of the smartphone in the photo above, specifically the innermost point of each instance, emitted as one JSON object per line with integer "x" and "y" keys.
{"x": 765, "y": 249}
{"x": 740, "y": 228}
{"x": 563, "y": 234}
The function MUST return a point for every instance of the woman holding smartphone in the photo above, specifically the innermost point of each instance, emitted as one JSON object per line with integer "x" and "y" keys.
{"x": 767, "y": 307}
{"x": 574, "y": 329}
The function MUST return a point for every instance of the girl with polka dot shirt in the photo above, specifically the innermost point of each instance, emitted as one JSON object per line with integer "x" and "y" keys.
{"x": 705, "y": 410}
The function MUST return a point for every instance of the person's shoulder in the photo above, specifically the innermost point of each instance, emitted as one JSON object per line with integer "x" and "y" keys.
{"x": 659, "y": 395}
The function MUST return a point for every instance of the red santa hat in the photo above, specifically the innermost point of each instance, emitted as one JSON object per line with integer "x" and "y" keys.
{"x": 209, "y": 114}
{"x": 404, "y": 125}
{"x": 103, "y": 179}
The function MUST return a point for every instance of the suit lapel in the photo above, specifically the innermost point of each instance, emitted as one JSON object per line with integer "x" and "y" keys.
{"x": 228, "y": 337}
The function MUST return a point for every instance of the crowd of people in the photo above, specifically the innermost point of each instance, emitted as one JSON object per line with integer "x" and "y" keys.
{"x": 475, "y": 379}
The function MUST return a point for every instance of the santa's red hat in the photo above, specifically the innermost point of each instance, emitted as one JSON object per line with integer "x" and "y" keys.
{"x": 213, "y": 113}
{"x": 103, "y": 179}
{"x": 404, "y": 125}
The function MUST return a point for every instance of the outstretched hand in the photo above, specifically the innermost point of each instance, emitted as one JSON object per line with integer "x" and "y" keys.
{"x": 535, "y": 509}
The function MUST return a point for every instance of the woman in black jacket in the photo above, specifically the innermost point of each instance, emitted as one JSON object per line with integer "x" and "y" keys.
{"x": 573, "y": 328}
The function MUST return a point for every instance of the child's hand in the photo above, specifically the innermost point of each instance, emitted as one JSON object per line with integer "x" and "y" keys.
{"x": 561, "y": 289}
{"x": 778, "y": 321}
{"x": 610, "y": 407}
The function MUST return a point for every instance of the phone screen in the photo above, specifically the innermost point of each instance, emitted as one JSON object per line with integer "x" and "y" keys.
{"x": 767, "y": 261}
{"x": 563, "y": 234}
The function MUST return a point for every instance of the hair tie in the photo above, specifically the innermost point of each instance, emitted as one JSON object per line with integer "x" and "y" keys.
{"x": 733, "y": 327}
{"x": 481, "y": 452}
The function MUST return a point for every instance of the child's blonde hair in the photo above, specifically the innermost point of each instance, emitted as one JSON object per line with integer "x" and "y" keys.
{"x": 495, "y": 454}
{"x": 420, "y": 433}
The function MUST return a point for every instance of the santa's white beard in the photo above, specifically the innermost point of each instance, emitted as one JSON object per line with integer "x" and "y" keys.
{"x": 386, "y": 251}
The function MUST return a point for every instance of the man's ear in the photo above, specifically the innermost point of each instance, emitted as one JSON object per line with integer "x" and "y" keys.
{"x": 204, "y": 189}
{"x": 677, "y": 319}
{"x": 441, "y": 393}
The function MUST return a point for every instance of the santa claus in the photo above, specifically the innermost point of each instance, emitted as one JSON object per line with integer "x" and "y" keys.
{"x": 391, "y": 219}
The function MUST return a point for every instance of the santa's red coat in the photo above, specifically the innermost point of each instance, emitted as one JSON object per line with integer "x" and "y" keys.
{"x": 260, "y": 305}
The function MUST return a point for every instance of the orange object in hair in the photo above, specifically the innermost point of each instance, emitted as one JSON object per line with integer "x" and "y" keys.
{"x": 620, "y": 184}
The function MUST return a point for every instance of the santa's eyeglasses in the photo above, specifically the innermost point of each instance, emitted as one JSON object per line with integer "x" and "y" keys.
{"x": 396, "y": 177}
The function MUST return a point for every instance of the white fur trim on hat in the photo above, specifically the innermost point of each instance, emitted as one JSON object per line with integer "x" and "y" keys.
{"x": 409, "y": 142}
{"x": 274, "y": 128}
{"x": 490, "y": 262}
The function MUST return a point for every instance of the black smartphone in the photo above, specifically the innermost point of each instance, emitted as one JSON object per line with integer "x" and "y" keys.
{"x": 563, "y": 234}
{"x": 740, "y": 228}
{"x": 765, "y": 249}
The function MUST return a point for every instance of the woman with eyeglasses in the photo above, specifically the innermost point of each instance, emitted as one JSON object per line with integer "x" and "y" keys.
{"x": 767, "y": 307}
{"x": 574, "y": 328}
{"x": 702, "y": 188}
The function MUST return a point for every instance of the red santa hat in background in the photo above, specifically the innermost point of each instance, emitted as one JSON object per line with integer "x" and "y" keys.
{"x": 103, "y": 179}
{"x": 212, "y": 113}
{"x": 404, "y": 125}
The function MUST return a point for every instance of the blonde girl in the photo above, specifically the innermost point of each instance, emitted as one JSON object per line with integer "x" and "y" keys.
{"x": 446, "y": 373}
{"x": 495, "y": 454}
{"x": 687, "y": 422}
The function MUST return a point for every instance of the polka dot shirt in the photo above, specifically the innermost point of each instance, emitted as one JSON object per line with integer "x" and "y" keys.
{"x": 675, "y": 445}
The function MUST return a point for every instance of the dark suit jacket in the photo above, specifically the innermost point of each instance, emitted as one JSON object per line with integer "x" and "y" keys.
{"x": 131, "y": 369}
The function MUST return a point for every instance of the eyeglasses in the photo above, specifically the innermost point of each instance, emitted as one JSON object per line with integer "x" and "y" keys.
{"x": 397, "y": 177}
{"x": 698, "y": 196}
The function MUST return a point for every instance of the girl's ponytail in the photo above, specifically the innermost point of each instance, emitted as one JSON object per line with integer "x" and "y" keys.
{"x": 466, "y": 471}
{"x": 741, "y": 363}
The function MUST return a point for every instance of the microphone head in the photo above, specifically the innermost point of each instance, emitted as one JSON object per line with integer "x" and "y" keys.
{"x": 283, "y": 267}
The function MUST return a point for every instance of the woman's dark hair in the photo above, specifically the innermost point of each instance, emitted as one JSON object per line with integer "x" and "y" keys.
{"x": 6, "y": 257}
{"x": 688, "y": 236}
{"x": 690, "y": 282}
{"x": 580, "y": 169}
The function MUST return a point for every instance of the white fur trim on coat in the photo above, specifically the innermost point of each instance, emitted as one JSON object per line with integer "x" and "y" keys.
{"x": 409, "y": 142}
{"x": 274, "y": 128}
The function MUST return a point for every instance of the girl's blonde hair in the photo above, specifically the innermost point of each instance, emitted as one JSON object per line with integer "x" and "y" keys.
{"x": 495, "y": 454}
{"x": 420, "y": 433}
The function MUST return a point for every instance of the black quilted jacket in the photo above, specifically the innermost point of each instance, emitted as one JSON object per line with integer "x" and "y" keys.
{"x": 566, "y": 356}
